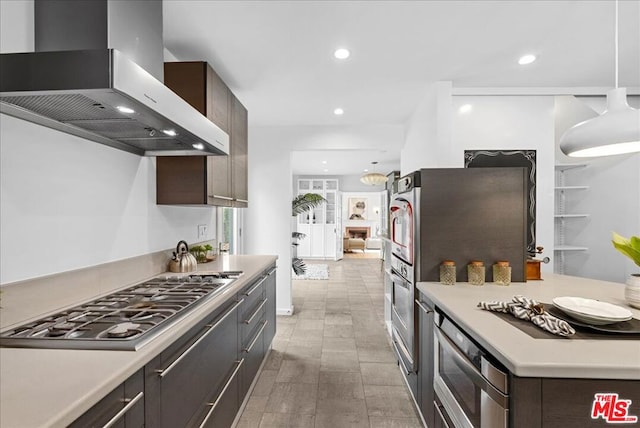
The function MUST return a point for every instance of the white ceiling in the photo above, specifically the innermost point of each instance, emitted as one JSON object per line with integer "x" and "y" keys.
{"x": 276, "y": 56}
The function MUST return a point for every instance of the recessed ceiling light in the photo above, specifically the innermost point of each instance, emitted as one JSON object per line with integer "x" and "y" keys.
{"x": 198, "y": 146}
{"x": 365, "y": 170}
{"x": 526, "y": 59}
{"x": 170, "y": 132}
{"x": 465, "y": 108}
{"x": 126, "y": 110}
{"x": 324, "y": 162}
{"x": 325, "y": 170}
{"x": 341, "y": 53}
{"x": 338, "y": 112}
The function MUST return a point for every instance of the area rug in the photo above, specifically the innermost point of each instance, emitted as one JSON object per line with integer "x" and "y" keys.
{"x": 314, "y": 272}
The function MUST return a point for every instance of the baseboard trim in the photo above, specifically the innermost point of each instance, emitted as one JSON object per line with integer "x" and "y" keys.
{"x": 285, "y": 311}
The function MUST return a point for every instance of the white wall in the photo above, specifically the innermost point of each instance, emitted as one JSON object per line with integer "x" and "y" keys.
{"x": 437, "y": 136}
{"x": 268, "y": 224}
{"x": 268, "y": 218}
{"x": 68, "y": 203}
{"x": 612, "y": 200}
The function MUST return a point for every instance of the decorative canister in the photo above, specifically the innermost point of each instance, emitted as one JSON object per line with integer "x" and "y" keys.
{"x": 475, "y": 272}
{"x": 502, "y": 273}
{"x": 448, "y": 272}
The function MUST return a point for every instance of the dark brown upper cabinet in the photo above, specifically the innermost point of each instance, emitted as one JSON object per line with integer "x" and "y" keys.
{"x": 206, "y": 180}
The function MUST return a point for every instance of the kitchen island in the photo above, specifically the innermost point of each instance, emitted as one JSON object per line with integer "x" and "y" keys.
{"x": 53, "y": 387}
{"x": 549, "y": 381}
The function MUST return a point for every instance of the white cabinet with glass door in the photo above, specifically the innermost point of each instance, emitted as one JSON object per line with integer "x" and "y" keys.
{"x": 321, "y": 224}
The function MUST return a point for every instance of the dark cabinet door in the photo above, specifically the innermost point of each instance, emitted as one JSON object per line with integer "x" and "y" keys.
{"x": 193, "y": 372}
{"x": 122, "y": 408}
{"x": 211, "y": 180}
{"x": 425, "y": 359}
{"x": 199, "y": 85}
{"x": 239, "y": 153}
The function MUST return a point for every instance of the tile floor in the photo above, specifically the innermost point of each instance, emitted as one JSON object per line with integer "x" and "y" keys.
{"x": 332, "y": 364}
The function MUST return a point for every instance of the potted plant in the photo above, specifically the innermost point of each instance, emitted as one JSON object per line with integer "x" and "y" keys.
{"x": 200, "y": 253}
{"x": 299, "y": 205}
{"x": 631, "y": 248}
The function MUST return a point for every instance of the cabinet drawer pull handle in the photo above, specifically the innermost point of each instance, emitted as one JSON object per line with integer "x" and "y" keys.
{"x": 130, "y": 403}
{"x": 255, "y": 287}
{"x": 242, "y": 200}
{"x": 224, "y": 389}
{"x": 226, "y": 198}
{"x": 272, "y": 271}
{"x": 248, "y": 321}
{"x": 210, "y": 328}
{"x": 424, "y": 308}
{"x": 255, "y": 339}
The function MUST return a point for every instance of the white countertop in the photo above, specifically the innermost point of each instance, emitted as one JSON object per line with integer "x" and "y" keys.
{"x": 526, "y": 356}
{"x": 52, "y": 387}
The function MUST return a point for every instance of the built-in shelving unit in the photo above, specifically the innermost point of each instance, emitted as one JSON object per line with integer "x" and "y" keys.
{"x": 322, "y": 224}
{"x": 563, "y": 192}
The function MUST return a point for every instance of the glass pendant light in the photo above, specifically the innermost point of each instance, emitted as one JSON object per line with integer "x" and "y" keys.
{"x": 615, "y": 131}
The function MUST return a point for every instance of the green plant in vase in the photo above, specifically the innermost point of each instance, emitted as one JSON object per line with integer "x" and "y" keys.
{"x": 630, "y": 247}
{"x": 200, "y": 252}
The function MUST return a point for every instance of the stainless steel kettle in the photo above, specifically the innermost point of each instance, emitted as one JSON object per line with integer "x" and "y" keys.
{"x": 183, "y": 260}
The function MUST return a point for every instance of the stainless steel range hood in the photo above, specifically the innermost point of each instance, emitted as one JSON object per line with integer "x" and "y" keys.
{"x": 79, "y": 84}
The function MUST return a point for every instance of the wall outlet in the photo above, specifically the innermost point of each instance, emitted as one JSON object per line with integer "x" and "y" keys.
{"x": 202, "y": 231}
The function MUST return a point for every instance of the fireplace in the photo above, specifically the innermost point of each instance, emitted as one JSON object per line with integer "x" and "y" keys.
{"x": 358, "y": 232}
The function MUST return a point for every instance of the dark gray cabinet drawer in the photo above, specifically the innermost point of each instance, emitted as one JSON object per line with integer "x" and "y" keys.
{"x": 183, "y": 379}
{"x": 270, "y": 308}
{"x": 123, "y": 407}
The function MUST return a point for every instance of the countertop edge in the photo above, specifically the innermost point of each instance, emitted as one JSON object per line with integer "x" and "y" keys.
{"x": 122, "y": 364}
{"x": 587, "y": 368}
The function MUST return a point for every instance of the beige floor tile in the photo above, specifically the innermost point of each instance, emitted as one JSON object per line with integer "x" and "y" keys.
{"x": 338, "y": 331}
{"x": 303, "y": 351}
{"x": 340, "y": 361}
{"x": 389, "y": 401}
{"x": 341, "y": 390}
{"x": 382, "y": 422}
{"x": 340, "y": 377}
{"x": 257, "y": 404}
{"x": 287, "y": 420}
{"x": 293, "y": 398}
{"x": 299, "y": 371}
{"x": 376, "y": 354}
{"x": 343, "y": 318}
{"x": 342, "y": 406}
{"x": 339, "y": 344}
{"x": 300, "y": 335}
{"x": 310, "y": 324}
{"x": 249, "y": 419}
{"x": 381, "y": 374}
{"x": 265, "y": 383}
{"x": 342, "y": 420}
{"x": 315, "y": 314}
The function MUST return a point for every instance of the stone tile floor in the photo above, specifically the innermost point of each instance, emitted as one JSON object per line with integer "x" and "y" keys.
{"x": 332, "y": 364}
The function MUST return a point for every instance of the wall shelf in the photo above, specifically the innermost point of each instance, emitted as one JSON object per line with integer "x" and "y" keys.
{"x": 565, "y": 193}
{"x": 569, "y": 248}
{"x": 567, "y": 166}
{"x": 571, "y": 215}
{"x": 563, "y": 188}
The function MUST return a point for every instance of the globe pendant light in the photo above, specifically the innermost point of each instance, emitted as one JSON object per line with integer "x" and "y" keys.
{"x": 374, "y": 178}
{"x": 616, "y": 131}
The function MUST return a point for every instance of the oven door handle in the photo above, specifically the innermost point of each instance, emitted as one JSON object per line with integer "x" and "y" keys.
{"x": 400, "y": 280}
{"x": 470, "y": 370}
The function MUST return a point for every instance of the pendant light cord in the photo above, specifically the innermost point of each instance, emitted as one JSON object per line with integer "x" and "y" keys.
{"x": 616, "y": 45}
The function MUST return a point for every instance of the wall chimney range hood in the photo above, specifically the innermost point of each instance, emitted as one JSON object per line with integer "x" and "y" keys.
{"x": 86, "y": 80}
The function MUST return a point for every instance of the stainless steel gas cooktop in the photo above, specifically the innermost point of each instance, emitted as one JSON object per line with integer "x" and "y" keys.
{"x": 122, "y": 320}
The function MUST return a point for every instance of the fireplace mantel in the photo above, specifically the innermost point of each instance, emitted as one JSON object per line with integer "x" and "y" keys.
{"x": 362, "y": 232}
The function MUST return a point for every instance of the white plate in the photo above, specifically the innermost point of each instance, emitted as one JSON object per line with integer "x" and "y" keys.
{"x": 592, "y": 311}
